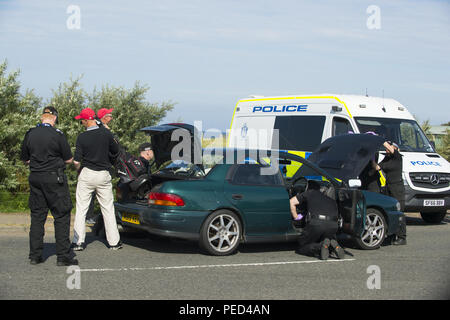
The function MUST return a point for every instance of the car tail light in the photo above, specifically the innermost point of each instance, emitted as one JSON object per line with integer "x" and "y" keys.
{"x": 165, "y": 199}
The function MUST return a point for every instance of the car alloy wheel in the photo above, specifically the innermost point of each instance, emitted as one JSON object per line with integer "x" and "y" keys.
{"x": 374, "y": 230}
{"x": 221, "y": 233}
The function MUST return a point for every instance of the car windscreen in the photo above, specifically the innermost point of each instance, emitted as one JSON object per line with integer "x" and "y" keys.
{"x": 406, "y": 133}
{"x": 301, "y": 133}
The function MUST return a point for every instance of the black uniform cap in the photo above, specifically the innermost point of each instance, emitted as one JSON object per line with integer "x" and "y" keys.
{"x": 145, "y": 146}
{"x": 50, "y": 110}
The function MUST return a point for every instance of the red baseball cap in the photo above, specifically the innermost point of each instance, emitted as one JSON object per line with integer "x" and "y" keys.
{"x": 86, "y": 114}
{"x": 103, "y": 111}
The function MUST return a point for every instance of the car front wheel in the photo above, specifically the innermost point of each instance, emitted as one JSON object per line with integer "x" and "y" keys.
{"x": 221, "y": 233}
{"x": 374, "y": 230}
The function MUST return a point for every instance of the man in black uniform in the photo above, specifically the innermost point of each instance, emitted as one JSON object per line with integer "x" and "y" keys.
{"x": 319, "y": 234}
{"x": 370, "y": 178}
{"x": 392, "y": 166}
{"x": 47, "y": 152}
{"x": 146, "y": 155}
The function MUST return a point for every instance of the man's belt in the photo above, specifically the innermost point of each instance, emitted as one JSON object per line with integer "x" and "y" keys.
{"x": 324, "y": 217}
{"x": 58, "y": 172}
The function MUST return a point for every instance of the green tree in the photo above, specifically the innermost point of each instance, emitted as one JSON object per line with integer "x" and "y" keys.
{"x": 131, "y": 112}
{"x": 444, "y": 150}
{"x": 18, "y": 113}
{"x": 69, "y": 99}
{"x": 426, "y": 127}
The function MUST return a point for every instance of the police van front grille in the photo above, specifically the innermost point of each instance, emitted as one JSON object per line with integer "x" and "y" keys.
{"x": 430, "y": 180}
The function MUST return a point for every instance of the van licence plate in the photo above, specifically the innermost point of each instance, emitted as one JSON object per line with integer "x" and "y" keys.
{"x": 131, "y": 218}
{"x": 434, "y": 203}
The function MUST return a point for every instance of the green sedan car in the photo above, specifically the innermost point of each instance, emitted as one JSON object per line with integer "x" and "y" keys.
{"x": 231, "y": 196}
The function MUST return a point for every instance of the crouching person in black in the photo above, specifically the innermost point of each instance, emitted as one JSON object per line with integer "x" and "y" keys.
{"x": 321, "y": 214}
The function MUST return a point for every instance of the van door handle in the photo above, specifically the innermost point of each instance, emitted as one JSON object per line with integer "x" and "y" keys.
{"x": 237, "y": 196}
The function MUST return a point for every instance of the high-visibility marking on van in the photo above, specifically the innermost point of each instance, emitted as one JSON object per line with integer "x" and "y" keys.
{"x": 275, "y": 108}
{"x": 295, "y": 98}
{"x": 284, "y": 98}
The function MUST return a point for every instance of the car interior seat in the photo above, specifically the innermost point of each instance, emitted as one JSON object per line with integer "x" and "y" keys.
{"x": 312, "y": 185}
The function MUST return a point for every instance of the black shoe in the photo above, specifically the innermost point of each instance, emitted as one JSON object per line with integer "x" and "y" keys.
{"x": 325, "y": 249}
{"x": 78, "y": 247}
{"x": 117, "y": 246}
{"x": 35, "y": 261}
{"x": 64, "y": 262}
{"x": 337, "y": 249}
{"x": 399, "y": 242}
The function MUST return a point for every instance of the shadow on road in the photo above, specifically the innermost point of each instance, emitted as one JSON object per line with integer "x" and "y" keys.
{"x": 416, "y": 221}
{"x": 154, "y": 243}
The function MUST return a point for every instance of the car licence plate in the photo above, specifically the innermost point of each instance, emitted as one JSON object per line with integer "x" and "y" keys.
{"x": 131, "y": 218}
{"x": 434, "y": 203}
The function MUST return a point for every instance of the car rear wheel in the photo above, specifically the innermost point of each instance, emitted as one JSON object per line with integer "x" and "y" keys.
{"x": 433, "y": 217}
{"x": 374, "y": 230}
{"x": 221, "y": 233}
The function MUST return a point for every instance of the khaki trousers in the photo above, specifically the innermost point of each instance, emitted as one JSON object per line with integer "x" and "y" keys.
{"x": 100, "y": 182}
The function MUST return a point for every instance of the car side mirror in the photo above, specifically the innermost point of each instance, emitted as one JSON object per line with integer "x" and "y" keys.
{"x": 354, "y": 183}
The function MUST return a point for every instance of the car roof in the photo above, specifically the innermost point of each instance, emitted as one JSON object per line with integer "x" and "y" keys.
{"x": 264, "y": 153}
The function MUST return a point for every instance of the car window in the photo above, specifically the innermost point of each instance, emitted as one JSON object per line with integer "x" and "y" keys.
{"x": 251, "y": 174}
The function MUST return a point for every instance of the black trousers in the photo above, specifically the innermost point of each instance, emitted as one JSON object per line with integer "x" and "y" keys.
{"x": 314, "y": 233}
{"x": 47, "y": 194}
{"x": 397, "y": 191}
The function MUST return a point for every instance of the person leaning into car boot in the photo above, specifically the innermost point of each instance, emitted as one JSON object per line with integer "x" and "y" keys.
{"x": 146, "y": 155}
{"x": 392, "y": 166}
{"x": 319, "y": 234}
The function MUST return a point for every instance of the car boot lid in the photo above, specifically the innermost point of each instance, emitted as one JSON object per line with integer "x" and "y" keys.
{"x": 162, "y": 144}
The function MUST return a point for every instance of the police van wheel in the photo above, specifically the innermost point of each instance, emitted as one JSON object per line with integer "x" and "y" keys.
{"x": 433, "y": 217}
{"x": 374, "y": 230}
{"x": 221, "y": 233}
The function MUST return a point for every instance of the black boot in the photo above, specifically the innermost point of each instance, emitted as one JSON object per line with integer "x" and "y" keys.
{"x": 65, "y": 262}
{"x": 35, "y": 261}
{"x": 399, "y": 241}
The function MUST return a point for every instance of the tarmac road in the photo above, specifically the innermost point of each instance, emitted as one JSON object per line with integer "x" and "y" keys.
{"x": 172, "y": 269}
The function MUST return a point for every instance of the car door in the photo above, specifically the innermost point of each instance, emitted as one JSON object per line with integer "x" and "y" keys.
{"x": 352, "y": 210}
{"x": 262, "y": 199}
{"x": 351, "y": 202}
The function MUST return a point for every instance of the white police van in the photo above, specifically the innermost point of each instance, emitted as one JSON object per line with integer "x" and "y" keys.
{"x": 303, "y": 122}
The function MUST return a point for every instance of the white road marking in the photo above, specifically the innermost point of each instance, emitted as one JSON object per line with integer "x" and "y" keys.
{"x": 213, "y": 265}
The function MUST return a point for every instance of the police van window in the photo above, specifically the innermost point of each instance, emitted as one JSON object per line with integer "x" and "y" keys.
{"x": 406, "y": 133}
{"x": 250, "y": 174}
{"x": 341, "y": 126}
{"x": 301, "y": 133}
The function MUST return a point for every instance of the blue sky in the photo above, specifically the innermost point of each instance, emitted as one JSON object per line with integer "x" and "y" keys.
{"x": 207, "y": 54}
